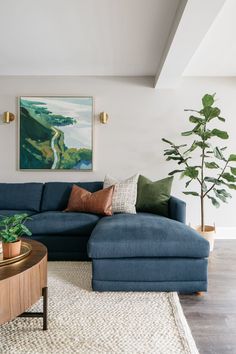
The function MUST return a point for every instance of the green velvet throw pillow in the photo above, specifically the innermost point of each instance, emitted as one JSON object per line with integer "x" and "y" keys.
{"x": 153, "y": 197}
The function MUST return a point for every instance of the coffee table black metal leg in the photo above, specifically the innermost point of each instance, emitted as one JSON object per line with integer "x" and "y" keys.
{"x": 43, "y": 314}
{"x": 45, "y": 308}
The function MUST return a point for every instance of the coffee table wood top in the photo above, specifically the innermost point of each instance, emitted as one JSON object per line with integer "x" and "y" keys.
{"x": 39, "y": 251}
{"x": 21, "y": 283}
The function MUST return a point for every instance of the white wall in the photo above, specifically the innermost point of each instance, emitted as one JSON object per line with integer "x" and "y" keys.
{"x": 131, "y": 142}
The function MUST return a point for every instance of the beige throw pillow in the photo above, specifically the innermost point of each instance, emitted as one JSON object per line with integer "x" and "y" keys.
{"x": 125, "y": 194}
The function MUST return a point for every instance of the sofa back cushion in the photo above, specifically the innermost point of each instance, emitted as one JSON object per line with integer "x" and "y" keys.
{"x": 56, "y": 194}
{"x": 20, "y": 196}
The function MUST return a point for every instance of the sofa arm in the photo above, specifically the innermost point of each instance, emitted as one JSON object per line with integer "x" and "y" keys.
{"x": 177, "y": 209}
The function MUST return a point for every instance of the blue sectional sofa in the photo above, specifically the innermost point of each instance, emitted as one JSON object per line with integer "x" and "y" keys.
{"x": 142, "y": 252}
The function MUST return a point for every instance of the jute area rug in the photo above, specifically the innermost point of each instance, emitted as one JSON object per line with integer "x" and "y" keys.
{"x": 83, "y": 321}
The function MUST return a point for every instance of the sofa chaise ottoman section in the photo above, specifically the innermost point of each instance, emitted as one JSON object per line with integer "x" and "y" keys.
{"x": 146, "y": 252}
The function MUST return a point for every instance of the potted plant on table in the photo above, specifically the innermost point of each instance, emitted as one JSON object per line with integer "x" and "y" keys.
{"x": 213, "y": 171}
{"x": 11, "y": 230}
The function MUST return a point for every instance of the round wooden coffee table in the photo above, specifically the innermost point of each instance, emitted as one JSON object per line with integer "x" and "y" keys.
{"x": 23, "y": 283}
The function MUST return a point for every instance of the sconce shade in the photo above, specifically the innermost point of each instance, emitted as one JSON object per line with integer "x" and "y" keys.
{"x": 103, "y": 117}
{"x": 8, "y": 117}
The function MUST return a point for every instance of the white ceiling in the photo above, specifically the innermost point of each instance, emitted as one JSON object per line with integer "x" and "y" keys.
{"x": 216, "y": 55}
{"x": 84, "y": 37}
{"x": 191, "y": 26}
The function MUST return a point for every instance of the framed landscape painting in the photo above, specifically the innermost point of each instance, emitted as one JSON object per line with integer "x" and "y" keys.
{"x": 56, "y": 133}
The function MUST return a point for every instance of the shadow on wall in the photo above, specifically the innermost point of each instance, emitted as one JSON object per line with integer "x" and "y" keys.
{"x": 1, "y": 118}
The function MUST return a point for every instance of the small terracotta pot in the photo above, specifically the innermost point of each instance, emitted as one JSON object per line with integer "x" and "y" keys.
{"x": 11, "y": 249}
{"x": 208, "y": 234}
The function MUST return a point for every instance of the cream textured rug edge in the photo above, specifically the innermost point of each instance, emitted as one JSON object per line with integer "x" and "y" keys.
{"x": 87, "y": 322}
{"x": 182, "y": 322}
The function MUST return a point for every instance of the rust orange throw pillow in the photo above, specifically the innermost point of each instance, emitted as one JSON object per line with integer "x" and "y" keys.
{"x": 99, "y": 202}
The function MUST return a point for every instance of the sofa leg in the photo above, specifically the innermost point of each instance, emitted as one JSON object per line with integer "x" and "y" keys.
{"x": 199, "y": 293}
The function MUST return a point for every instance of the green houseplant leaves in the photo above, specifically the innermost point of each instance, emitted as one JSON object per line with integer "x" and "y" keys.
{"x": 12, "y": 227}
{"x": 211, "y": 157}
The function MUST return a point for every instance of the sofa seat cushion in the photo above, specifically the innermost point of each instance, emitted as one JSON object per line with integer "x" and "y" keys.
{"x": 13, "y": 212}
{"x": 56, "y": 222}
{"x": 145, "y": 235}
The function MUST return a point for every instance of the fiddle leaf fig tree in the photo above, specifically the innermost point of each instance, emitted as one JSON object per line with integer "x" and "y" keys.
{"x": 214, "y": 170}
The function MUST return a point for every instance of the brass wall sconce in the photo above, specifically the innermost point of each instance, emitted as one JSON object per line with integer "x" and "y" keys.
{"x": 8, "y": 117}
{"x": 103, "y": 117}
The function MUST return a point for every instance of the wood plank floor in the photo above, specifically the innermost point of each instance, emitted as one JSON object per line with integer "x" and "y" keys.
{"x": 212, "y": 317}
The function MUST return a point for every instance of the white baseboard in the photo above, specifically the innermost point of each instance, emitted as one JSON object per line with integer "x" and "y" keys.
{"x": 225, "y": 233}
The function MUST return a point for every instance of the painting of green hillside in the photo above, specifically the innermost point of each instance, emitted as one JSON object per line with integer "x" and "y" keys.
{"x": 56, "y": 133}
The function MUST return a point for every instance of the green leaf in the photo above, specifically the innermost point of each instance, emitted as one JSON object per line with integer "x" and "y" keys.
{"x": 210, "y": 112}
{"x": 180, "y": 146}
{"x": 230, "y": 185}
{"x": 211, "y": 165}
{"x": 233, "y": 170}
{"x": 206, "y": 135}
{"x": 232, "y": 157}
{"x": 220, "y": 134}
{"x": 218, "y": 154}
{"x": 212, "y": 180}
{"x": 191, "y": 172}
{"x": 208, "y": 100}
{"x": 181, "y": 162}
{"x": 192, "y": 148}
{"x": 25, "y": 230}
{"x": 221, "y": 118}
{"x": 204, "y": 187}
{"x": 192, "y": 193}
{"x": 191, "y": 110}
{"x": 187, "y": 133}
{"x": 175, "y": 171}
{"x": 202, "y": 145}
{"x": 170, "y": 152}
{"x": 188, "y": 183}
{"x": 214, "y": 201}
{"x": 222, "y": 194}
{"x": 229, "y": 177}
{"x": 194, "y": 119}
{"x": 167, "y": 141}
{"x": 215, "y": 112}
{"x": 173, "y": 158}
{"x": 197, "y": 129}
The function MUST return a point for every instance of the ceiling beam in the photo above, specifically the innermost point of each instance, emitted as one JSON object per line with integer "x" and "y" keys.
{"x": 192, "y": 21}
